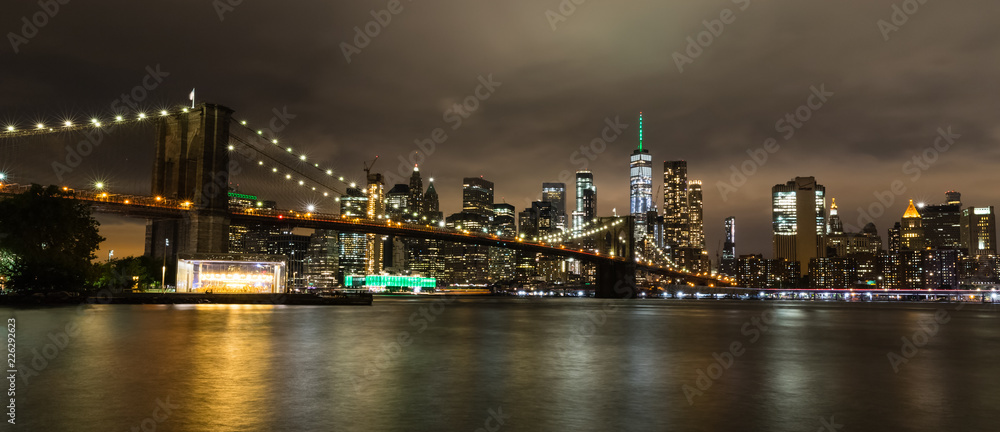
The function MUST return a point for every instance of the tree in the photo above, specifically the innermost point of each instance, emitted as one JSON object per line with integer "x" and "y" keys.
{"x": 47, "y": 242}
{"x": 125, "y": 273}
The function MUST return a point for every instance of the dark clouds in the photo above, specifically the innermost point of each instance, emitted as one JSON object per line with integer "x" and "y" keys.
{"x": 607, "y": 59}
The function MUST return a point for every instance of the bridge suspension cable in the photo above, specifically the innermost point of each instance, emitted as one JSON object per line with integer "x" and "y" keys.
{"x": 69, "y": 124}
{"x": 273, "y": 142}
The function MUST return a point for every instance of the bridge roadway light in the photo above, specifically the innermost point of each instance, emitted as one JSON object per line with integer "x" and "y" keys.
{"x": 142, "y": 115}
{"x": 10, "y": 128}
{"x": 99, "y": 185}
{"x": 119, "y": 118}
{"x": 163, "y": 112}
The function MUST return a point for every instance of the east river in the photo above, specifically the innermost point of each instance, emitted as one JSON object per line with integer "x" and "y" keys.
{"x": 507, "y": 364}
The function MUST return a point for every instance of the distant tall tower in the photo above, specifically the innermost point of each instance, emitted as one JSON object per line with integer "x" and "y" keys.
{"x": 586, "y": 200}
{"x": 729, "y": 247}
{"x": 376, "y": 209}
{"x": 416, "y": 201}
{"x": 676, "y": 208}
{"x": 912, "y": 229}
{"x": 696, "y": 212}
{"x": 798, "y": 210}
{"x": 555, "y": 193}
{"x": 895, "y": 239}
{"x": 835, "y": 226}
{"x": 432, "y": 209}
{"x": 641, "y": 181}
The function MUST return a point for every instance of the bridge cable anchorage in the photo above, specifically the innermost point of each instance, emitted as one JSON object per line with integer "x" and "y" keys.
{"x": 11, "y": 130}
{"x": 274, "y": 143}
{"x": 274, "y": 169}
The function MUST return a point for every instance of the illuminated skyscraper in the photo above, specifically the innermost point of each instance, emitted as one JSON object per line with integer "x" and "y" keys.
{"x": 586, "y": 200}
{"x": 477, "y": 196}
{"x": 727, "y": 264}
{"x": 555, "y": 193}
{"x": 432, "y": 209}
{"x": 798, "y": 210}
{"x": 352, "y": 246}
{"x": 979, "y": 231}
{"x": 696, "y": 210}
{"x": 376, "y": 210}
{"x": 912, "y": 229}
{"x": 676, "y": 209}
{"x": 641, "y": 182}
{"x": 416, "y": 201}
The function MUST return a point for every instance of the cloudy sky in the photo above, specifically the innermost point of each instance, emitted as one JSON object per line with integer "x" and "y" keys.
{"x": 562, "y": 74}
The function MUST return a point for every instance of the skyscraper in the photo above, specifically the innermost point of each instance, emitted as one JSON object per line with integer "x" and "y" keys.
{"x": 376, "y": 210}
{"x": 432, "y": 208}
{"x": 477, "y": 198}
{"x": 416, "y": 201}
{"x": 352, "y": 246}
{"x": 798, "y": 210}
{"x": 502, "y": 261}
{"x": 555, "y": 193}
{"x": 696, "y": 229}
{"x": 641, "y": 186}
{"x": 979, "y": 231}
{"x": 676, "y": 208}
{"x": 586, "y": 200}
{"x": 912, "y": 229}
{"x": 727, "y": 264}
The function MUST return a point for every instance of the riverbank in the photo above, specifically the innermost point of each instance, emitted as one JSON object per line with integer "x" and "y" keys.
{"x": 64, "y": 298}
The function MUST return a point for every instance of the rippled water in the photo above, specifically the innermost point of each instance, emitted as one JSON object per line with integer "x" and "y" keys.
{"x": 539, "y": 365}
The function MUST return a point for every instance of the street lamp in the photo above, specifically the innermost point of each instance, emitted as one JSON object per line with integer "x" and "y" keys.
{"x": 163, "y": 281}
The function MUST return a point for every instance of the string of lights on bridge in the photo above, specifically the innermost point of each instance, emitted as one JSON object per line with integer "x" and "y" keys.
{"x": 70, "y": 124}
{"x": 329, "y": 172}
{"x": 73, "y": 124}
{"x": 564, "y": 236}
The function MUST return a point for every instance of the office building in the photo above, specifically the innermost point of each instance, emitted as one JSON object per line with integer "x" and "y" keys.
{"x": 912, "y": 229}
{"x": 555, "y": 193}
{"x": 676, "y": 208}
{"x": 586, "y": 200}
{"x": 641, "y": 186}
{"x": 978, "y": 231}
{"x": 799, "y": 220}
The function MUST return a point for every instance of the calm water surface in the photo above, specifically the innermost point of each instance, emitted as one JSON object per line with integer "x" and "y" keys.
{"x": 539, "y": 365}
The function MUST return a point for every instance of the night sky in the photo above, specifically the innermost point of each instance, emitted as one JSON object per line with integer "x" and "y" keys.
{"x": 604, "y": 60}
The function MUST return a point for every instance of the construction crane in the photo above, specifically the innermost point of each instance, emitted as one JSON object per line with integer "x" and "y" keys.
{"x": 368, "y": 166}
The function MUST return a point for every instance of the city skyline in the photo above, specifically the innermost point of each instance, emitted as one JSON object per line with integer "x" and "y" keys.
{"x": 854, "y": 142}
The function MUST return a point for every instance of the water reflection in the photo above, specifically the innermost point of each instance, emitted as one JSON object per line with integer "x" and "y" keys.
{"x": 551, "y": 365}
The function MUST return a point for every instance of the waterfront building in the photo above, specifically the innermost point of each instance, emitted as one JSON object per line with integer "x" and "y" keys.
{"x": 798, "y": 211}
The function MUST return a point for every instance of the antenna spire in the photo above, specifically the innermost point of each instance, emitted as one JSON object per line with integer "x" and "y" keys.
{"x": 640, "y": 131}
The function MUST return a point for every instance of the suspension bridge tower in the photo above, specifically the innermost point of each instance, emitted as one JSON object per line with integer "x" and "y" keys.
{"x": 192, "y": 164}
